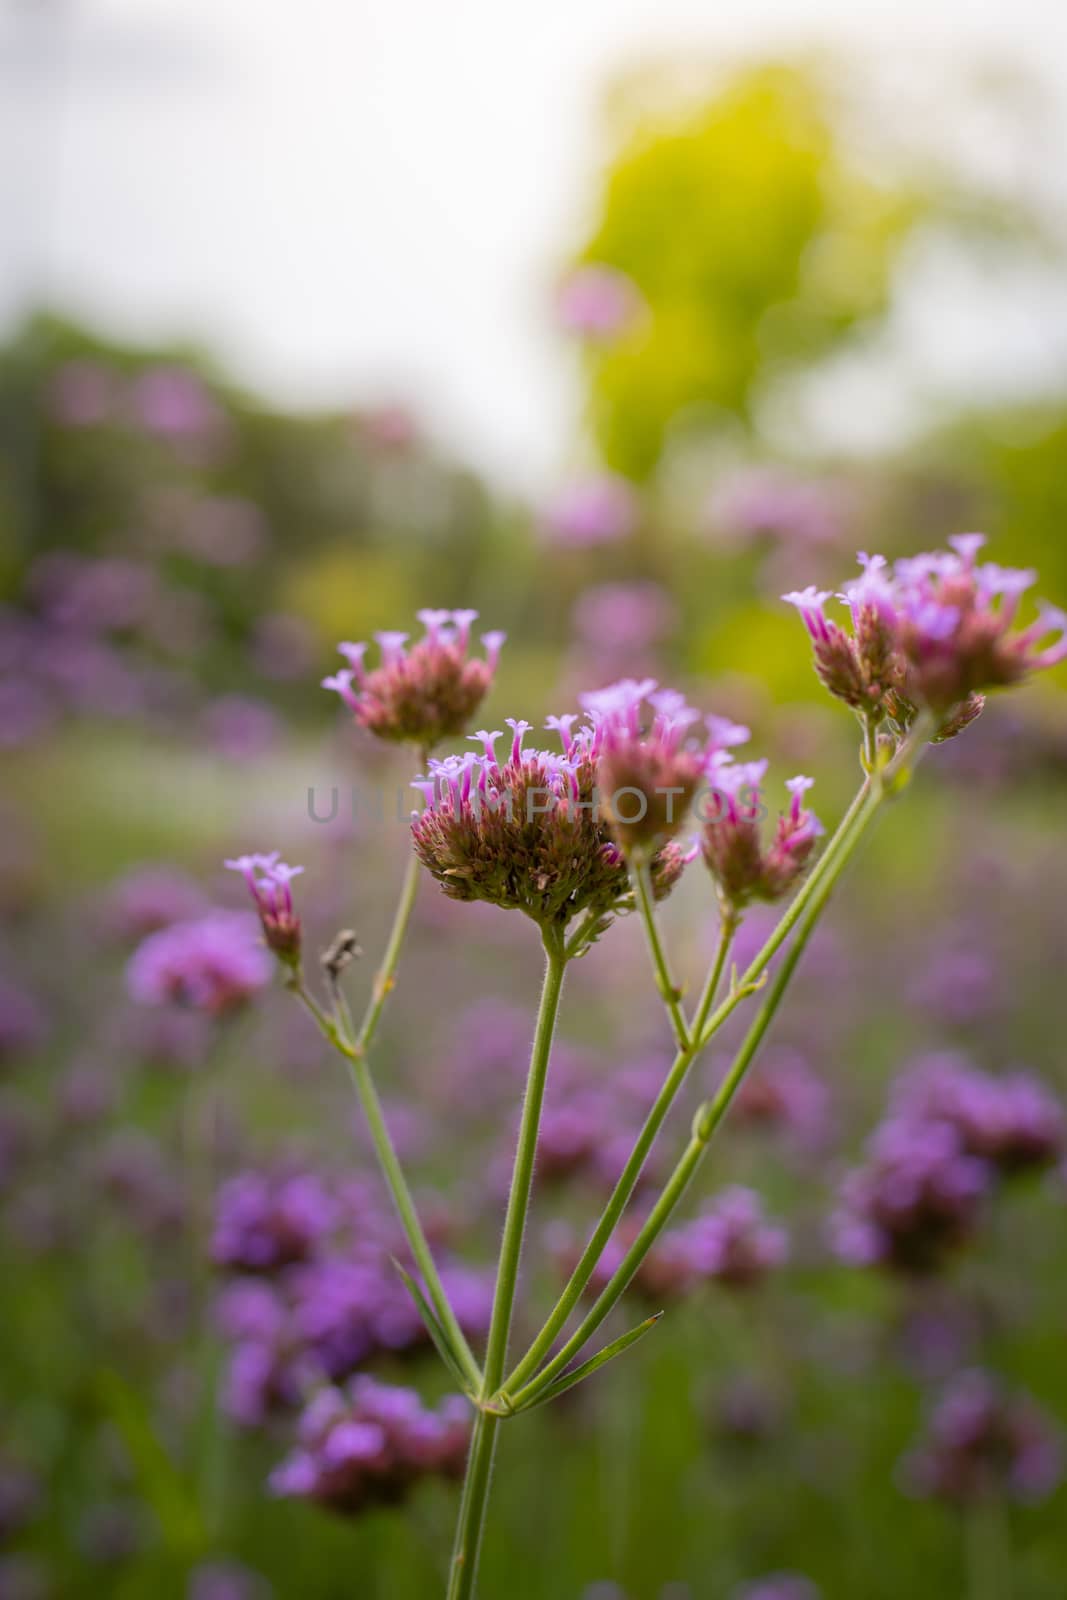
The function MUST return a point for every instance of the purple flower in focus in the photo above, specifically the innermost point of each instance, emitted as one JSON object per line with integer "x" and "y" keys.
{"x": 214, "y": 964}
{"x": 601, "y": 509}
{"x": 423, "y": 693}
{"x": 983, "y": 1441}
{"x": 742, "y": 867}
{"x": 268, "y": 881}
{"x": 525, "y": 832}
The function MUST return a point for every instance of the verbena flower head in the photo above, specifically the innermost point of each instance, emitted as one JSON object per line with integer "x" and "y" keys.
{"x": 214, "y": 964}
{"x": 420, "y": 693}
{"x": 368, "y": 1444}
{"x": 527, "y": 830}
{"x": 648, "y": 763}
{"x": 268, "y": 880}
{"x": 983, "y": 1442}
{"x": 931, "y": 631}
{"x": 744, "y": 868}
{"x": 917, "y": 1198}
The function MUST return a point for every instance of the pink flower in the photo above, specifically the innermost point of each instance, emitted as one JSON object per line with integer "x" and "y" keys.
{"x": 423, "y": 693}
{"x": 214, "y": 964}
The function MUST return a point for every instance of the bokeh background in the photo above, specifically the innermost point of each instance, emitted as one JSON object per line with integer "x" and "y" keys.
{"x": 299, "y": 335}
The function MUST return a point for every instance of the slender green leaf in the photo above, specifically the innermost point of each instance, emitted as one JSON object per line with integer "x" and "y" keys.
{"x": 567, "y": 1380}
{"x": 162, "y": 1484}
{"x": 434, "y": 1328}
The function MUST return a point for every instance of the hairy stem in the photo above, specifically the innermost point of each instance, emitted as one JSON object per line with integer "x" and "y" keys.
{"x": 627, "y": 1181}
{"x": 483, "y": 1443}
{"x": 641, "y": 878}
{"x": 338, "y": 1030}
{"x": 819, "y": 888}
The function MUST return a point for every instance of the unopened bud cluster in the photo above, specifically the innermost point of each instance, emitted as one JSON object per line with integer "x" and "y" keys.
{"x": 744, "y": 868}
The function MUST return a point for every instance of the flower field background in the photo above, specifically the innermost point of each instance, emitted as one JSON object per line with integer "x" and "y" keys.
{"x": 858, "y": 1386}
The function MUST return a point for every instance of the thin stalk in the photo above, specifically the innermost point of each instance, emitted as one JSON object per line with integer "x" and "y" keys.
{"x": 483, "y": 1443}
{"x": 404, "y": 1204}
{"x": 700, "y": 1032}
{"x": 339, "y": 1031}
{"x": 385, "y": 977}
{"x": 641, "y": 878}
{"x": 627, "y": 1181}
{"x": 463, "y": 1573}
{"x": 710, "y": 1115}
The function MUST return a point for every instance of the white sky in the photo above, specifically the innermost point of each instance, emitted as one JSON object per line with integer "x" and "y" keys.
{"x": 367, "y": 198}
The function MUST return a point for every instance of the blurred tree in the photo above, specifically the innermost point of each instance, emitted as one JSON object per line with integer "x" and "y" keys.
{"x": 760, "y": 241}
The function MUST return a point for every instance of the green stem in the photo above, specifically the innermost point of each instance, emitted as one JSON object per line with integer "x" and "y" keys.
{"x": 641, "y": 879}
{"x": 483, "y": 1443}
{"x": 385, "y": 977}
{"x": 404, "y": 1203}
{"x": 853, "y": 826}
{"x": 700, "y": 1032}
{"x": 339, "y": 1032}
{"x": 627, "y": 1181}
{"x": 463, "y": 1573}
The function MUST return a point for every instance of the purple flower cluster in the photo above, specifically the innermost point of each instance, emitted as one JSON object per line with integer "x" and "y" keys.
{"x": 1013, "y": 1121}
{"x": 731, "y": 1243}
{"x": 917, "y": 1197}
{"x": 369, "y": 1444}
{"x": 530, "y": 833}
{"x": 264, "y": 1222}
{"x": 785, "y": 1094}
{"x": 934, "y": 630}
{"x": 730, "y": 841}
{"x": 983, "y": 1442}
{"x": 214, "y": 963}
{"x": 268, "y": 879}
{"x": 317, "y": 1293}
{"x": 423, "y": 693}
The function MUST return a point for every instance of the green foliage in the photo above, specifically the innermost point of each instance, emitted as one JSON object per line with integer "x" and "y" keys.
{"x": 757, "y": 242}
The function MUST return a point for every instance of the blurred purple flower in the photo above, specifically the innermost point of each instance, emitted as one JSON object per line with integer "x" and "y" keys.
{"x": 214, "y": 964}
{"x": 227, "y": 1580}
{"x": 368, "y": 1444}
{"x": 599, "y": 509}
{"x": 240, "y": 727}
{"x": 984, "y": 1441}
{"x": 263, "y": 1223}
{"x": 917, "y": 1198}
{"x": 771, "y": 500}
{"x": 597, "y": 302}
{"x": 148, "y": 898}
{"x": 23, "y": 1024}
